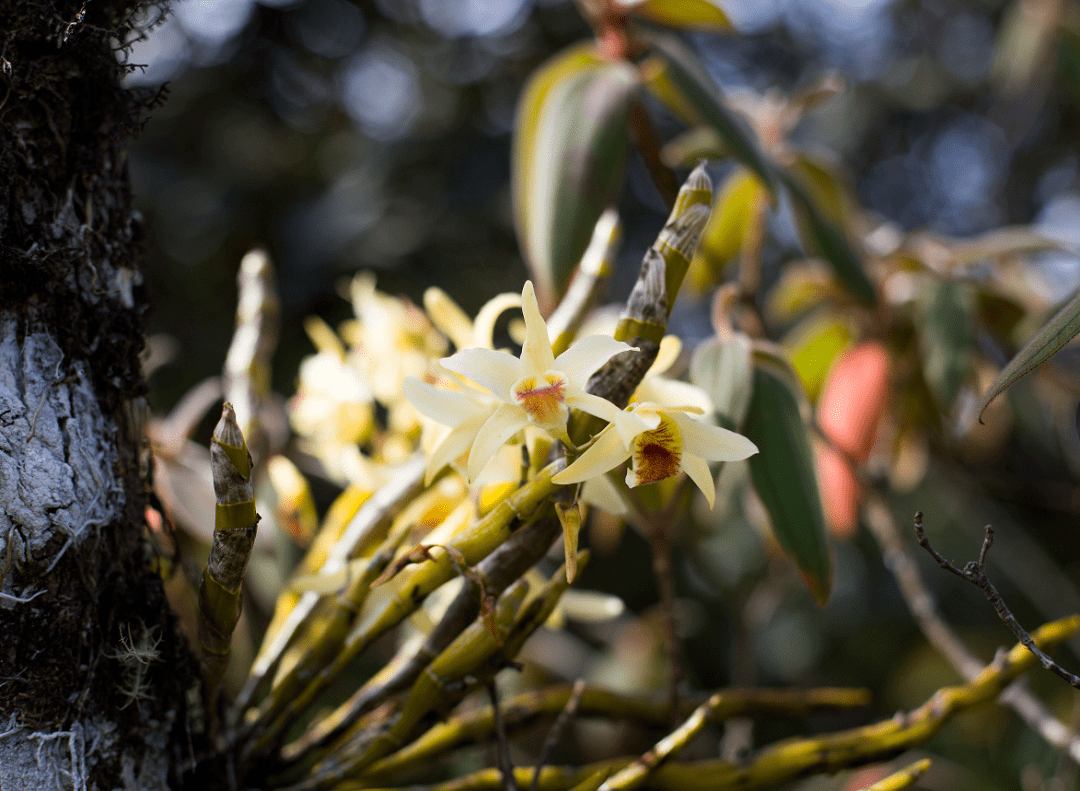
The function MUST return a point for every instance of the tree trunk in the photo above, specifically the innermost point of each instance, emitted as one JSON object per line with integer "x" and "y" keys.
{"x": 97, "y": 687}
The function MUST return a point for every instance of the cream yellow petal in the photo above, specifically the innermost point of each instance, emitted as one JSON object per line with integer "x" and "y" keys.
{"x": 712, "y": 443}
{"x": 497, "y": 371}
{"x": 698, "y": 470}
{"x": 601, "y": 492}
{"x": 585, "y": 356}
{"x": 670, "y": 349}
{"x": 484, "y": 326}
{"x": 605, "y": 453}
{"x": 323, "y": 337}
{"x": 448, "y": 317}
{"x": 536, "y": 353}
{"x": 601, "y": 407}
{"x": 660, "y": 389}
{"x": 449, "y": 407}
{"x": 457, "y": 442}
{"x": 504, "y": 423}
{"x": 504, "y": 468}
{"x": 630, "y": 424}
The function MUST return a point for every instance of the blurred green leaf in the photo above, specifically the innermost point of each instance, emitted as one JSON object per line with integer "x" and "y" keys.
{"x": 722, "y": 368}
{"x": 945, "y": 338}
{"x": 568, "y": 160}
{"x": 1011, "y": 241}
{"x": 688, "y": 76}
{"x": 688, "y": 148}
{"x": 701, "y": 15}
{"x": 824, "y": 234}
{"x": 783, "y": 473}
{"x": 737, "y": 210}
{"x": 1058, "y": 331}
{"x": 813, "y": 345}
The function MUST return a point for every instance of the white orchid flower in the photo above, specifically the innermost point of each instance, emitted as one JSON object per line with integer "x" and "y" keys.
{"x": 671, "y": 442}
{"x": 661, "y": 390}
{"x": 535, "y": 389}
{"x": 464, "y": 411}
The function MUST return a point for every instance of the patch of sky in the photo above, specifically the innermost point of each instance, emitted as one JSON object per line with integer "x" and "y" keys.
{"x": 967, "y": 161}
{"x": 1059, "y": 271}
{"x": 474, "y": 18}
{"x": 379, "y": 89}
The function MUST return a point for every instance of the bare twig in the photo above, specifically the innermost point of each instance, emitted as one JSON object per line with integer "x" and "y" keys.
{"x": 919, "y": 600}
{"x": 924, "y": 609}
{"x": 506, "y": 766}
{"x": 661, "y": 556}
{"x": 974, "y": 572}
{"x": 557, "y": 728}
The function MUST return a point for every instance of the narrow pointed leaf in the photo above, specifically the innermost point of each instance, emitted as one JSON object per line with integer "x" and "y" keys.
{"x": 738, "y": 209}
{"x": 688, "y": 148}
{"x": 827, "y": 236}
{"x": 723, "y": 369}
{"x": 1011, "y": 241}
{"x": 1058, "y": 331}
{"x": 568, "y": 160}
{"x": 784, "y": 477}
{"x": 689, "y": 77}
{"x": 703, "y": 15}
{"x": 813, "y": 344}
{"x": 946, "y": 335}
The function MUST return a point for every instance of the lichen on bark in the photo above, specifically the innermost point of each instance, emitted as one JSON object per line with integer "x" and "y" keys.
{"x": 78, "y": 591}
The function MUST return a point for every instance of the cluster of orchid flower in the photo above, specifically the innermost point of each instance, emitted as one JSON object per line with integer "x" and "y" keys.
{"x": 493, "y": 396}
{"x": 472, "y": 410}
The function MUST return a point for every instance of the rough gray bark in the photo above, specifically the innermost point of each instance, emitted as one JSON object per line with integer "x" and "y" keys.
{"x": 95, "y": 680}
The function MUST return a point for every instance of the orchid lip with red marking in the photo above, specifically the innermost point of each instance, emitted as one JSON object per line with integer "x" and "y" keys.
{"x": 542, "y": 398}
{"x": 657, "y": 454}
{"x": 676, "y": 443}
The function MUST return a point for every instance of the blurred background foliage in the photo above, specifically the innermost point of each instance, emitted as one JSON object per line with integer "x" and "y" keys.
{"x": 342, "y": 136}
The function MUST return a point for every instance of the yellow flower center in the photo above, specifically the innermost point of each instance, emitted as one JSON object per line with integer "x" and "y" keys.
{"x": 543, "y": 398}
{"x": 657, "y": 454}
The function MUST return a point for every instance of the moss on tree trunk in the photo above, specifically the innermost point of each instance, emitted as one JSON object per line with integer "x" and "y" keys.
{"x": 95, "y": 679}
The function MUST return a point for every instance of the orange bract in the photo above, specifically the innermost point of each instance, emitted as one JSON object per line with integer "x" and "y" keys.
{"x": 854, "y": 397}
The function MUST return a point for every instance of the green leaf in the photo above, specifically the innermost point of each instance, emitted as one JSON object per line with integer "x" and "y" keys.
{"x": 1058, "y": 331}
{"x": 813, "y": 345}
{"x": 722, "y": 368}
{"x": 829, "y": 239}
{"x": 688, "y": 148}
{"x": 784, "y": 477}
{"x": 945, "y": 338}
{"x": 568, "y": 160}
{"x": 688, "y": 76}
{"x": 736, "y": 215}
{"x": 701, "y": 15}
